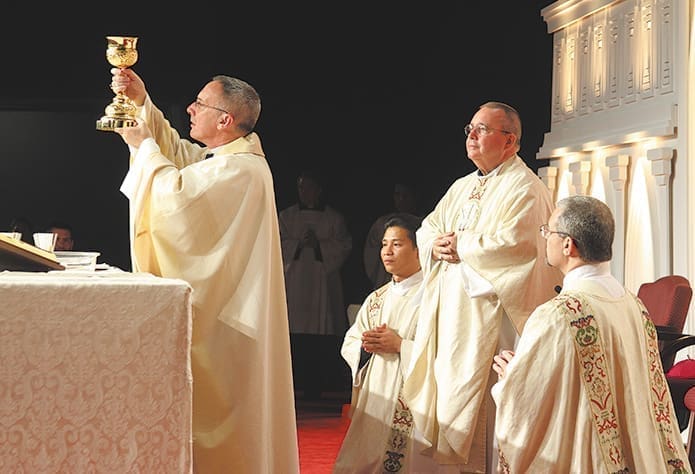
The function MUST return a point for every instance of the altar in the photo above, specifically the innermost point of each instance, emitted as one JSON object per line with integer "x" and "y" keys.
{"x": 95, "y": 372}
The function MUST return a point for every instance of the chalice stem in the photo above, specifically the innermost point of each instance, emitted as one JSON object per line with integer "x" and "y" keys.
{"x": 121, "y": 52}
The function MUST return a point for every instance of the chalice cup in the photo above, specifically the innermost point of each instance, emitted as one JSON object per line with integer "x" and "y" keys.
{"x": 121, "y": 52}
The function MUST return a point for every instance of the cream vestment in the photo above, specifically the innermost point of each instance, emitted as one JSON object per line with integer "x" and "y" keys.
{"x": 585, "y": 390}
{"x": 213, "y": 223}
{"x": 380, "y": 436}
{"x": 466, "y": 308}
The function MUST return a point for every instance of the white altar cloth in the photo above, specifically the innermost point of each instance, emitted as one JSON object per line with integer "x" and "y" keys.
{"x": 95, "y": 373}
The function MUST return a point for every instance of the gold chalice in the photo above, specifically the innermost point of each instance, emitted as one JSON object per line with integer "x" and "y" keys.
{"x": 120, "y": 53}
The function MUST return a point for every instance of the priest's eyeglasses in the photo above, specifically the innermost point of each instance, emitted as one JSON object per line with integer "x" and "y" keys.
{"x": 546, "y": 232}
{"x": 482, "y": 129}
{"x": 199, "y": 103}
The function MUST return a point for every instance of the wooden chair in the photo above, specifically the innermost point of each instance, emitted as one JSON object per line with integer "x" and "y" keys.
{"x": 667, "y": 299}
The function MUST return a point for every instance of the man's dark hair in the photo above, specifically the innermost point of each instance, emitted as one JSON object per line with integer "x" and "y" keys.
{"x": 408, "y": 222}
{"x": 59, "y": 225}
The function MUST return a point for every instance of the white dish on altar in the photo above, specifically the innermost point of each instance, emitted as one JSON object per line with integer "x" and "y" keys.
{"x": 77, "y": 260}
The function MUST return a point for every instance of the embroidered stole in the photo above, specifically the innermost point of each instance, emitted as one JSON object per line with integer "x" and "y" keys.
{"x": 590, "y": 351}
{"x": 470, "y": 212}
{"x": 374, "y": 305}
{"x": 402, "y": 421}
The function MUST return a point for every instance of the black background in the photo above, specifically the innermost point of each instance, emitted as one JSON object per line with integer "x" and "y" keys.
{"x": 369, "y": 93}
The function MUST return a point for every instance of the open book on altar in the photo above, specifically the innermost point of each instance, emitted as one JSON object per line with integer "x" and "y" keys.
{"x": 17, "y": 255}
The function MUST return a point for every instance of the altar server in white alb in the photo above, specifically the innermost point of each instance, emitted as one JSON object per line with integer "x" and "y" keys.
{"x": 381, "y": 436}
{"x": 584, "y": 391}
{"x": 484, "y": 274}
{"x": 315, "y": 245}
{"x": 206, "y": 214}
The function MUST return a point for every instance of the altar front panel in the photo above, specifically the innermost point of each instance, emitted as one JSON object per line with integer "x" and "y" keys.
{"x": 94, "y": 373}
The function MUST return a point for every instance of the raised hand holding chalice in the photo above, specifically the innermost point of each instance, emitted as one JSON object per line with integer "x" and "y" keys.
{"x": 121, "y": 52}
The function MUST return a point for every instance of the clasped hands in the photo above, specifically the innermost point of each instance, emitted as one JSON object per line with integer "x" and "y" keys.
{"x": 309, "y": 239}
{"x": 381, "y": 339}
{"x": 444, "y": 248}
{"x": 501, "y": 361}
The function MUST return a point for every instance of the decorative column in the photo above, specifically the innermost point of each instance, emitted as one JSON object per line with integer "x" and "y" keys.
{"x": 617, "y": 173}
{"x": 548, "y": 175}
{"x": 580, "y": 171}
{"x": 660, "y": 159}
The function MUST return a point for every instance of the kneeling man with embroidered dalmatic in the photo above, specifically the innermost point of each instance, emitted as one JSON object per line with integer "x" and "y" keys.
{"x": 377, "y": 347}
{"x": 585, "y": 390}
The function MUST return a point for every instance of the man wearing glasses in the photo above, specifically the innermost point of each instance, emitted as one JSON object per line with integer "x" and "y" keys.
{"x": 480, "y": 253}
{"x": 207, "y": 215}
{"x": 584, "y": 390}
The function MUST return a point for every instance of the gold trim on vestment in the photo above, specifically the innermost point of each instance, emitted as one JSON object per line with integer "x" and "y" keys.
{"x": 590, "y": 351}
{"x": 402, "y": 422}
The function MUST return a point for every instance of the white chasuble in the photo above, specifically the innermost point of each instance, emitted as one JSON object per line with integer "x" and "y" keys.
{"x": 585, "y": 390}
{"x": 466, "y": 307}
{"x": 213, "y": 223}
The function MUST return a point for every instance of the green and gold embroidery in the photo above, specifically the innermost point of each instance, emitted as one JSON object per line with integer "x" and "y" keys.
{"x": 595, "y": 380}
{"x": 401, "y": 428}
{"x": 402, "y": 421}
{"x": 661, "y": 398}
{"x": 591, "y": 354}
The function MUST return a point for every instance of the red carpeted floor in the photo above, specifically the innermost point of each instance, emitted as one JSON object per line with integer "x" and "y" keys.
{"x": 321, "y": 427}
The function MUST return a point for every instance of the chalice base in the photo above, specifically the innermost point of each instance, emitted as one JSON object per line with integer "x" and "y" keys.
{"x": 109, "y": 124}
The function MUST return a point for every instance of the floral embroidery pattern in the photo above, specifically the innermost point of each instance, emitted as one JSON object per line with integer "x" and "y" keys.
{"x": 478, "y": 190}
{"x": 374, "y": 305}
{"x": 502, "y": 463}
{"x": 597, "y": 384}
{"x": 661, "y": 398}
{"x": 592, "y": 364}
{"x": 586, "y": 333}
{"x": 402, "y": 422}
{"x": 401, "y": 427}
{"x": 470, "y": 213}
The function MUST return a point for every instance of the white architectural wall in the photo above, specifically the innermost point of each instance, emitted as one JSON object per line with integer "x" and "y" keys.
{"x": 619, "y": 127}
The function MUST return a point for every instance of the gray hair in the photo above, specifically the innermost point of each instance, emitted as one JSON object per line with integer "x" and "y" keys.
{"x": 243, "y": 101}
{"x": 513, "y": 119}
{"x": 589, "y": 222}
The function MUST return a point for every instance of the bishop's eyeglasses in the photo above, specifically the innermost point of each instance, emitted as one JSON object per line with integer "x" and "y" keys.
{"x": 482, "y": 129}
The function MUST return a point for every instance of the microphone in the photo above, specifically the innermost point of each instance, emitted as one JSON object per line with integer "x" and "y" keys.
{"x": 558, "y": 289}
